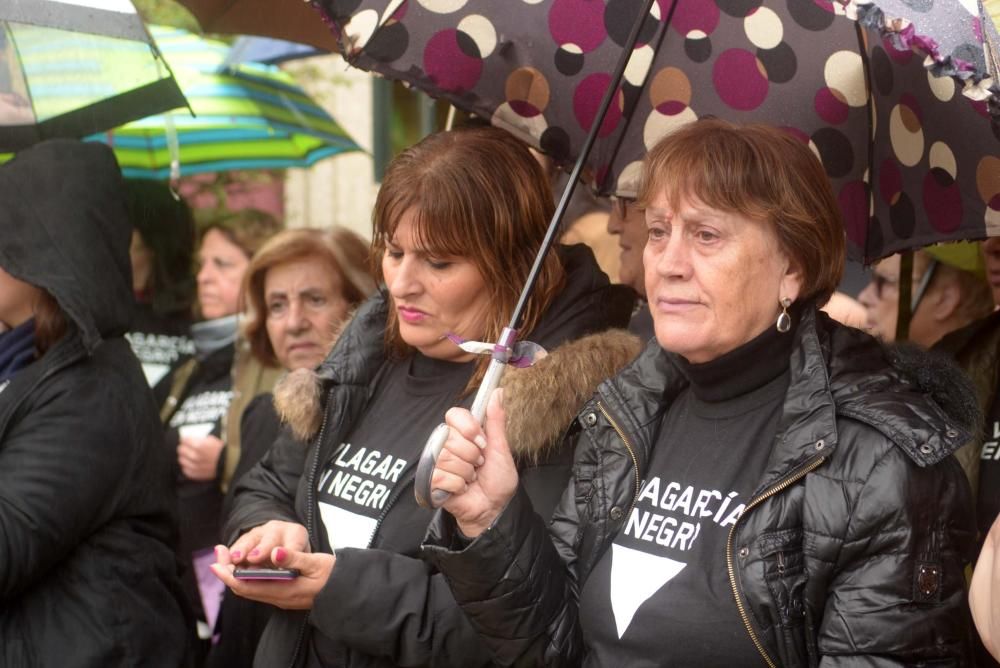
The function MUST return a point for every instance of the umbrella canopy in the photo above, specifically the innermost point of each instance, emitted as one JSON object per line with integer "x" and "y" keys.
{"x": 248, "y": 116}
{"x": 74, "y": 67}
{"x": 539, "y": 68}
{"x": 948, "y": 32}
{"x": 292, "y": 20}
{"x": 247, "y": 49}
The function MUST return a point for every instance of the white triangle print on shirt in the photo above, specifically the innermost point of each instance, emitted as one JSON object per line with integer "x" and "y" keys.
{"x": 154, "y": 372}
{"x": 635, "y": 576}
{"x": 346, "y": 529}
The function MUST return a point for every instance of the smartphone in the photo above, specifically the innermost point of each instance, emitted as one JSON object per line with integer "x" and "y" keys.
{"x": 265, "y": 574}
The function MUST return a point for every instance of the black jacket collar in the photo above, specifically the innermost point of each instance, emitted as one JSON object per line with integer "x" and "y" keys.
{"x": 920, "y": 402}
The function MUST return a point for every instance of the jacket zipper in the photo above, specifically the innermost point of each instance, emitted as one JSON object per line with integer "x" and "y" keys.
{"x": 310, "y": 502}
{"x": 780, "y": 487}
{"x": 397, "y": 492}
{"x": 631, "y": 452}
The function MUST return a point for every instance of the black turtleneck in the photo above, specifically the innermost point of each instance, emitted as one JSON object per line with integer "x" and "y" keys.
{"x": 663, "y": 589}
{"x": 742, "y": 371}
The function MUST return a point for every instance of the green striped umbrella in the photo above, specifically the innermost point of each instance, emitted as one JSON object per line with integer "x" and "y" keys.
{"x": 248, "y": 116}
{"x": 69, "y": 68}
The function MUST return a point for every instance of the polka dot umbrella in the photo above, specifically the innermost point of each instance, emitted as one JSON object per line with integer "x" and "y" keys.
{"x": 912, "y": 160}
{"x": 950, "y": 34}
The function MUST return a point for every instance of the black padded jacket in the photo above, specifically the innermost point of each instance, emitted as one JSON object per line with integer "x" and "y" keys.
{"x": 384, "y": 606}
{"x": 850, "y": 553}
{"x": 87, "y": 527}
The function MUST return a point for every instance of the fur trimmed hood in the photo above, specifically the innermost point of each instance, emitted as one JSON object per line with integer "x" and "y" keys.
{"x": 540, "y": 400}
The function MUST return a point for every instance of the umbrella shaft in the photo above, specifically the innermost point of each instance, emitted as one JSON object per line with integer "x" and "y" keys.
{"x": 574, "y": 177}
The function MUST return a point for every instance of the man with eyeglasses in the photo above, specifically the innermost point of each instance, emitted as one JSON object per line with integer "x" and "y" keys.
{"x": 628, "y": 223}
{"x": 949, "y": 292}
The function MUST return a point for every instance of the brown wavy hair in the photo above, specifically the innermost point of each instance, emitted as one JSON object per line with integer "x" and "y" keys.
{"x": 342, "y": 250}
{"x": 477, "y": 194}
{"x": 762, "y": 173}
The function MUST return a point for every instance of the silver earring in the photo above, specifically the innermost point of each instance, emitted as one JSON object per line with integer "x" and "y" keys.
{"x": 784, "y": 320}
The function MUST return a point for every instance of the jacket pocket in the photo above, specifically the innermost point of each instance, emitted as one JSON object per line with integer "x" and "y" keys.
{"x": 785, "y": 576}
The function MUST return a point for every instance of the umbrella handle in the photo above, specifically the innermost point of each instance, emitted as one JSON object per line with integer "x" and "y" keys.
{"x": 433, "y": 498}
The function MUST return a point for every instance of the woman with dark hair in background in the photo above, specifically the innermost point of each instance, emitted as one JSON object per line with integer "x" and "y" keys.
{"x": 761, "y": 487}
{"x": 457, "y": 223}
{"x": 88, "y": 575}
{"x": 162, "y": 254}
{"x": 299, "y": 287}
{"x": 196, "y": 396}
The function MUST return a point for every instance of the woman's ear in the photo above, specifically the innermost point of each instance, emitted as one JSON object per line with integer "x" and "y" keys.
{"x": 790, "y": 286}
{"x": 944, "y": 302}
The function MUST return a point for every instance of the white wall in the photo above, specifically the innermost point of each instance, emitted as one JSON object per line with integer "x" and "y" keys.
{"x": 339, "y": 190}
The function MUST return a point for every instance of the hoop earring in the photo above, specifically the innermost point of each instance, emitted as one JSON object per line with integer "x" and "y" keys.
{"x": 784, "y": 320}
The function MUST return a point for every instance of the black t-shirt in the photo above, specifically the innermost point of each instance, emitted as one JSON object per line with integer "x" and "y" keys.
{"x": 988, "y": 503}
{"x": 160, "y": 342}
{"x": 661, "y": 596}
{"x": 360, "y": 478}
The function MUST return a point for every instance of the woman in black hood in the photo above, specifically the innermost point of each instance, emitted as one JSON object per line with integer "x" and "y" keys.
{"x": 87, "y": 571}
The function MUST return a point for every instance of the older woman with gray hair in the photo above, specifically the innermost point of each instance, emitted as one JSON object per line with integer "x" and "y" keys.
{"x": 761, "y": 487}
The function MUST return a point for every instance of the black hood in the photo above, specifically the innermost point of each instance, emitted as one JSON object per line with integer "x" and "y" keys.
{"x": 64, "y": 228}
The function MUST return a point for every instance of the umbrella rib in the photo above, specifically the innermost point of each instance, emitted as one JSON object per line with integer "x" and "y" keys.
{"x": 24, "y": 75}
{"x": 606, "y": 188}
{"x": 574, "y": 177}
{"x": 870, "y": 107}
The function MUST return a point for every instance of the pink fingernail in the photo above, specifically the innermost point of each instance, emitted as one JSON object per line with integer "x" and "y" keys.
{"x": 280, "y": 554}
{"x": 236, "y": 554}
{"x": 254, "y": 552}
{"x": 480, "y": 461}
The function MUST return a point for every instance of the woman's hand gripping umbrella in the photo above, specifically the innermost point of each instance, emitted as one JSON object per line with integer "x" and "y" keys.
{"x": 476, "y": 467}
{"x": 505, "y": 352}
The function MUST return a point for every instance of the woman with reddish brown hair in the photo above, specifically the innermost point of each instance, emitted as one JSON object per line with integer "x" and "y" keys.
{"x": 298, "y": 289}
{"x": 329, "y": 270}
{"x": 457, "y": 223}
{"x": 762, "y": 486}
{"x": 87, "y": 569}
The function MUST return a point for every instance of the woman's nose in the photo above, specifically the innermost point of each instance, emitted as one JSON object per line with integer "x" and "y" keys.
{"x": 675, "y": 259}
{"x": 205, "y": 273}
{"x": 867, "y": 295}
{"x": 297, "y": 320}
{"x": 404, "y": 280}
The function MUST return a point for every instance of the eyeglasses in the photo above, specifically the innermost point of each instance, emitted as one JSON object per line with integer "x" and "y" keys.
{"x": 881, "y": 282}
{"x": 925, "y": 281}
{"x": 620, "y": 205}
